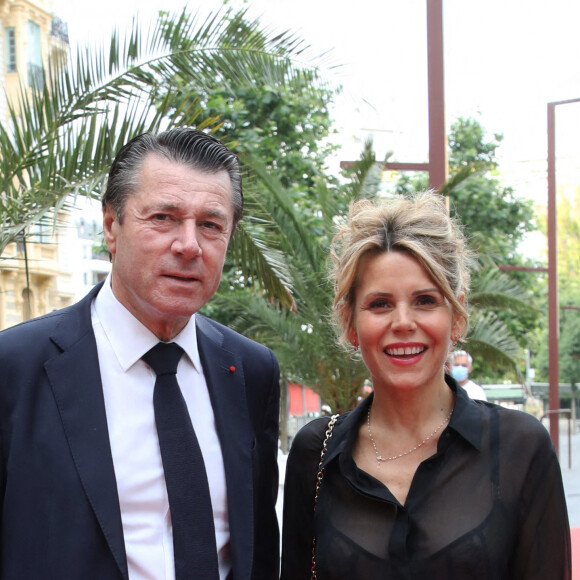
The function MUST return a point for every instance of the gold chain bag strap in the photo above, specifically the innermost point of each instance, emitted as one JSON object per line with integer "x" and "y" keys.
{"x": 319, "y": 477}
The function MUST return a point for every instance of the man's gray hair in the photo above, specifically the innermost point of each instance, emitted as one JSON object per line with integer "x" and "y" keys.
{"x": 457, "y": 353}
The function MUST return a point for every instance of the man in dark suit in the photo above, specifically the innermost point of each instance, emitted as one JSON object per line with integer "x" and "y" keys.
{"x": 84, "y": 492}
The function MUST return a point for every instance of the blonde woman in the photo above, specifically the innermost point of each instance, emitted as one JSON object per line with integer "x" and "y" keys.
{"x": 419, "y": 481}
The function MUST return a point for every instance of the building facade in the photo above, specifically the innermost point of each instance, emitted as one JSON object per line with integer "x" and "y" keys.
{"x": 47, "y": 268}
{"x": 30, "y": 35}
{"x": 53, "y": 267}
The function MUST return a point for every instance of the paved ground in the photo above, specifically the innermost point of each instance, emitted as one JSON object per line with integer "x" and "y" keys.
{"x": 570, "y": 464}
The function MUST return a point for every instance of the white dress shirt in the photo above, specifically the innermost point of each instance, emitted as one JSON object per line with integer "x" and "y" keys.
{"x": 128, "y": 384}
{"x": 474, "y": 390}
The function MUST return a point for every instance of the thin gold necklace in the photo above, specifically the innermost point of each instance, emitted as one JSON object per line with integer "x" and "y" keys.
{"x": 381, "y": 459}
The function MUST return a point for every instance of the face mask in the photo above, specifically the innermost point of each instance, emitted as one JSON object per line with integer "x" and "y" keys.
{"x": 459, "y": 373}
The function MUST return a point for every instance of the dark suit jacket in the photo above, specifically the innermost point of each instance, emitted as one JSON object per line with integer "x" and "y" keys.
{"x": 59, "y": 509}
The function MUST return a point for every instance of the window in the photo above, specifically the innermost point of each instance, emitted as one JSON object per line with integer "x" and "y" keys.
{"x": 59, "y": 29}
{"x": 40, "y": 232}
{"x": 10, "y": 37}
{"x": 34, "y": 55}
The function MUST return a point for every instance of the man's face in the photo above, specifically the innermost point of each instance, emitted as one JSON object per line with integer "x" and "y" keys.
{"x": 462, "y": 361}
{"x": 169, "y": 250}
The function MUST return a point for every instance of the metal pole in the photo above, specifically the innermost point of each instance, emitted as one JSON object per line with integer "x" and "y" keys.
{"x": 553, "y": 310}
{"x": 553, "y": 317}
{"x": 438, "y": 166}
{"x": 438, "y": 160}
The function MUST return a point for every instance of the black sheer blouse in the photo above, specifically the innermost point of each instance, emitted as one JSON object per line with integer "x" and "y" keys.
{"x": 488, "y": 505}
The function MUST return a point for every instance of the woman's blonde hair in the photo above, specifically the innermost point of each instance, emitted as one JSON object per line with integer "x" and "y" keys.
{"x": 417, "y": 224}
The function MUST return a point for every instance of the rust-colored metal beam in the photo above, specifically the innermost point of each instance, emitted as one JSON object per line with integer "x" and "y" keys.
{"x": 553, "y": 310}
{"x": 523, "y": 268}
{"x": 553, "y": 315}
{"x": 438, "y": 165}
{"x": 394, "y": 166}
{"x": 438, "y": 159}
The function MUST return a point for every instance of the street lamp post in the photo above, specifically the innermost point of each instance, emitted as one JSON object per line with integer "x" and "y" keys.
{"x": 553, "y": 312}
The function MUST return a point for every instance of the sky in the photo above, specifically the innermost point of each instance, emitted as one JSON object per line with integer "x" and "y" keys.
{"x": 504, "y": 61}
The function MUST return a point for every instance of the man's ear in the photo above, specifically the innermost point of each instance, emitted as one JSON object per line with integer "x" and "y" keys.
{"x": 110, "y": 225}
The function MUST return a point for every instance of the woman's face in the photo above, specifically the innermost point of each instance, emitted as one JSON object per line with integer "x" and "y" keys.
{"x": 402, "y": 322}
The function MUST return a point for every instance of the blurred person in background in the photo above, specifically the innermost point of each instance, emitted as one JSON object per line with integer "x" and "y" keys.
{"x": 460, "y": 363}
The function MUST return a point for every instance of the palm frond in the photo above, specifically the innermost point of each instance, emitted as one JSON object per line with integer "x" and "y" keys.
{"x": 262, "y": 264}
{"x": 462, "y": 176}
{"x": 362, "y": 173}
{"x": 490, "y": 340}
{"x": 61, "y": 136}
{"x": 495, "y": 289}
{"x": 282, "y": 209}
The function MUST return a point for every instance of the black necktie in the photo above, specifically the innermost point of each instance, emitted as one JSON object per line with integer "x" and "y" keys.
{"x": 194, "y": 544}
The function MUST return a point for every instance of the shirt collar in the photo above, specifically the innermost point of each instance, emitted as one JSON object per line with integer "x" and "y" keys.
{"x": 129, "y": 338}
{"x": 465, "y": 421}
{"x": 466, "y": 417}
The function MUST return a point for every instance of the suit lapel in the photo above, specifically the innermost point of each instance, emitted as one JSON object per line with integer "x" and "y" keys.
{"x": 224, "y": 375}
{"x": 74, "y": 376}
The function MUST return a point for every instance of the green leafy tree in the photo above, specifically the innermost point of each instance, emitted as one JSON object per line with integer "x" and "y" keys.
{"x": 568, "y": 220}
{"x": 303, "y": 336}
{"x": 568, "y": 241}
{"x": 286, "y": 127}
{"x": 570, "y": 347}
{"x": 568, "y": 350}
{"x": 495, "y": 219}
{"x": 60, "y": 140}
{"x": 496, "y": 222}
